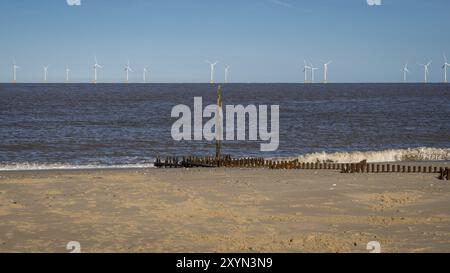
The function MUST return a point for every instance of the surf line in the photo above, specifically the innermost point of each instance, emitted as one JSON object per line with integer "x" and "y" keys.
{"x": 258, "y": 129}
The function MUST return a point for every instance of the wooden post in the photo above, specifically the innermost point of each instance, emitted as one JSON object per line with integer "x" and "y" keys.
{"x": 219, "y": 125}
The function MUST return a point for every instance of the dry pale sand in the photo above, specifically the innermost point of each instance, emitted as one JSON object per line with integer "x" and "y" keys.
{"x": 222, "y": 210}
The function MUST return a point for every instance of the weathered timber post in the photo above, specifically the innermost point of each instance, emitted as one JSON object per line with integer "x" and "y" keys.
{"x": 219, "y": 125}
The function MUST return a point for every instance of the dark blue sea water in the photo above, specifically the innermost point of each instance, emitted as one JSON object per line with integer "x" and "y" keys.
{"x": 126, "y": 125}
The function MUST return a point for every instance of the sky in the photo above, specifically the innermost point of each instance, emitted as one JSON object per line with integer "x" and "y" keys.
{"x": 262, "y": 40}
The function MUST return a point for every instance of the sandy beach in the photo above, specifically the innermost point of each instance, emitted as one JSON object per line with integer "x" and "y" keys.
{"x": 222, "y": 210}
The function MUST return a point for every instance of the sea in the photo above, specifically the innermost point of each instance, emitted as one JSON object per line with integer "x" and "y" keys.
{"x": 82, "y": 126}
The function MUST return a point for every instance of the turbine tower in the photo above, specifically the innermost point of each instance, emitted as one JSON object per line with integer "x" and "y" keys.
{"x": 96, "y": 66}
{"x": 325, "y": 71}
{"x": 405, "y": 70}
{"x": 45, "y": 73}
{"x": 67, "y": 73}
{"x": 426, "y": 71}
{"x": 144, "y": 74}
{"x": 15, "y": 67}
{"x": 446, "y": 64}
{"x": 128, "y": 70}
{"x": 213, "y": 68}
{"x": 312, "y": 72}
{"x": 227, "y": 73}
{"x": 305, "y": 70}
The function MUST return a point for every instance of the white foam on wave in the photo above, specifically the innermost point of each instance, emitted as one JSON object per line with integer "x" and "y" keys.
{"x": 45, "y": 167}
{"x": 392, "y": 155}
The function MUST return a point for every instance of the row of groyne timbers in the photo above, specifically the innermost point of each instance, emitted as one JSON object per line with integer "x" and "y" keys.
{"x": 347, "y": 168}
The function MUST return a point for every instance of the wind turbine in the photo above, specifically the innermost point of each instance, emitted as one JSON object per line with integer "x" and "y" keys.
{"x": 312, "y": 72}
{"x": 15, "y": 67}
{"x": 128, "y": 70}
{"x": 405, "y": 70}
{"x": 67, "y": 73}
{"x": 96, "y": 66}
{"x": 227, "y": 73}
{"x": 446, "y": 64}
{"x": 213, "y": 68}
{"x": 325, "y": 71}
{"x": 144, "y": 74}
{"x": 305, "y": 70}
{"x": 45, "y": 73}
{"x": 427, "y": 70}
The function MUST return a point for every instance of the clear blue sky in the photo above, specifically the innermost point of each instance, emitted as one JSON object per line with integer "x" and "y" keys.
{"x": 262, "y": 40}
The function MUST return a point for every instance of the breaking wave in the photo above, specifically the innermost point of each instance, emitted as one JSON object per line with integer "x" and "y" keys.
{"x": 43, "y": 167}
{"x": 393, "y": 155}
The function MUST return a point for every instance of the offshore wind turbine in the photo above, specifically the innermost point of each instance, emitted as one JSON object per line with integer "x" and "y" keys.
{"x": 446, "y": 64}
{"x": 227, "y": 73}
{"x": 45, "y": 73}
{"x": 426, "y": 70}
{"x": 325, "y": 71}
{"x": 15, "y": 67}
{"x": 144, "y": 74}
{"x": 128, "y": 70}
{"x": 96, "y": 66}
{"x": 312, "y": 72}
{"x": 67, "y": 73}
{"x": 213, "y": 68}
{"x": 305, "y": 70}
{"x": 405, "y": 70}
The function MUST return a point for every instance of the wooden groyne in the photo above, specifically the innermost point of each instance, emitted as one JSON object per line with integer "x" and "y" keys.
{"x": 361, "y": 167}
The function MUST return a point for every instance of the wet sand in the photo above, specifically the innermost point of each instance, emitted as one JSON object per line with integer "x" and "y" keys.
{"x": 222, "y": 210}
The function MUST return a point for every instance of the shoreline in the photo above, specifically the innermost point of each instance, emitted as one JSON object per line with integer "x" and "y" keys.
{"x": 151, "y": 167}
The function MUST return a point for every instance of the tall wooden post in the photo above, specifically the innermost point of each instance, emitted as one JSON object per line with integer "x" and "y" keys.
{"x": 219, "y": 124}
